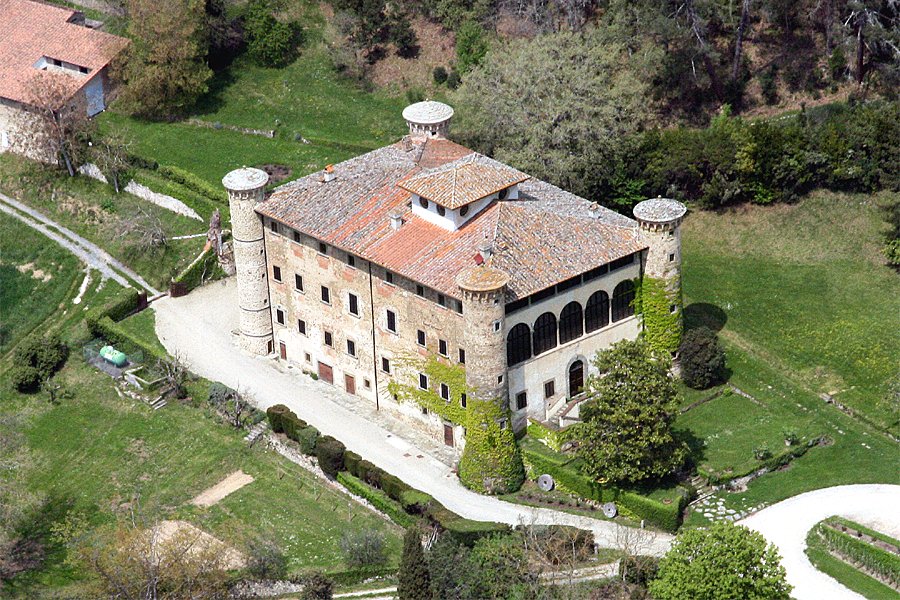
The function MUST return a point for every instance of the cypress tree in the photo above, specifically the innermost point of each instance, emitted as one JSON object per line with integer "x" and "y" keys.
{"x": 414, "y": 581}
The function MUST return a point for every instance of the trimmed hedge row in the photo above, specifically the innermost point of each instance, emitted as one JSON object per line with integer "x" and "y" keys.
{"x": 882, "y": 562}
{"x": 159, "y": 184}
{"x": 377, "y": 498}
{"x": 194, "y": 183}
{"x": 552, "y": 438}
{"x": 283, "y": 420}
{"x": 206, "y": 268}
{"x": 664, "y": 516}
{"x": 102, "y": 322}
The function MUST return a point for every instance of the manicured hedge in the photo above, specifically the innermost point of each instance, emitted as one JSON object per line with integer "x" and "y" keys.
{"x": 330, "y": 453}
{"x": 377, "y": 498}
{"x": 117, "y": 308}
{"x": 275, "y": 414}
{"x": 308, "y": 438}
{"x": 194, "y": 183}
{"x": 882, "y": 562}
{"x": 103, "y": 321}
{"x": 204, "y": 269}
{"x": 664, "y": 516}
{"x": 283, "y": 420}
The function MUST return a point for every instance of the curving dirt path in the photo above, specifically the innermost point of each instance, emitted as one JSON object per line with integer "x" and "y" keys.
{"x": 198, "y": 328}
{"x": 90, "y": 254}
{"x": 786, "y": 524}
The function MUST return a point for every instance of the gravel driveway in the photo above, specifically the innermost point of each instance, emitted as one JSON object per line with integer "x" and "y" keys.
{"x": 786, "y": 524}
{"x": 198, "y": 327}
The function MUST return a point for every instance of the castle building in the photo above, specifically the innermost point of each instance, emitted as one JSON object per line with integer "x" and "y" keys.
{"x": 422, "y": 276}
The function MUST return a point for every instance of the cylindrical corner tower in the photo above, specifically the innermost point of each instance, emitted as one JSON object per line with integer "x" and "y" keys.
{"x": 428, "y": 118}
{"x": 483, "y": 290}
{"x": 660, "y": 220}
{"x": 491, "y": 461}
{"x": 246, "y": 187}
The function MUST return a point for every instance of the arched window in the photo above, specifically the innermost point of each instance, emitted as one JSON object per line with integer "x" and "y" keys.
{"x": 544, "y": 333}
{"x": 571, "y": 323}
{"x": 623, "y": 300}
{"x": 596, "y": 312}
{"x": 518, "y": 344}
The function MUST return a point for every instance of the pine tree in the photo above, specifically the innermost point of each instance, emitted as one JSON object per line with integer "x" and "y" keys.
{"x": 414, "y": 581}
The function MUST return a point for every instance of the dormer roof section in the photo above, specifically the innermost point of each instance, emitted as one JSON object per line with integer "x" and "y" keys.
{"x": 462, "y": 181}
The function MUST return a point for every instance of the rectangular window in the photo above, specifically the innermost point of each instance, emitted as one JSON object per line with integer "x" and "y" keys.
{"x": 298, "y": 282}
{"x": 445, "y": 391}
{"x": 276, "y": 272}
{"x": 442, "y": 347}
{"x": 442, "y": 300}
{"x": 462, "y": 400}
{"x": 420, "y": 337}
{"x": 353, "y": 304}
{"x": 323, "y": 248}
{"x": 279, "y": 316}
{"x": 550, "y": 389}
{"x": 462, "y": 356}
{"x": 671, "y": 257}
{"x": 385, "y": 364}
{"x": 392, "y": 321}
{"x": 301, "y": 326}
{"x": 351, "y": 260}
{"x": 389, "y": 277}
{"x": 351, "y": 347}
{"x": 521, "y": 400}
{"x": 297, "y": 237}
{"x": 420, "y": 291}
{"x": 367, "y": 384}
{"x": 307, "y": 357}
{"x": 423, "y": 381}
{"x": 329, "y": 339}
{"x": 273, "y": 226}
{"x": 326, "y": 295}
{"x": 458, "y": 306}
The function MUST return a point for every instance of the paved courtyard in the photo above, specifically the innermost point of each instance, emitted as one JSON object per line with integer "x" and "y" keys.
{"x": 198, "y": 328}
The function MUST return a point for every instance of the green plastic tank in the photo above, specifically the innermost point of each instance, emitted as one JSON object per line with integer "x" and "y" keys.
{"x": 110, "y": 354}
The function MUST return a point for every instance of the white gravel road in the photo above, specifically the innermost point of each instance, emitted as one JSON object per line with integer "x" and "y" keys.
{"x": 786, "y": 524}
{"x": 197, "y": 327}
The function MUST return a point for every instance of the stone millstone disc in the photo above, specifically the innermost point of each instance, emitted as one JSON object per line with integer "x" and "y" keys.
{"x": 545, "y": 482}
{"x": 609, "y": 510}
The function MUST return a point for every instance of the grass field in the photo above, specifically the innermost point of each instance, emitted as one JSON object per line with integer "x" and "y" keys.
{"x": 776, "y": 281}
{"x": 306, "y": 99}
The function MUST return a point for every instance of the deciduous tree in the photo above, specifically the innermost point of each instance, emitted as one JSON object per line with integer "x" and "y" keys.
{"x": 626, "y": 434}
{"x": 58, "y": 125}
{"x": 722, "y": 562}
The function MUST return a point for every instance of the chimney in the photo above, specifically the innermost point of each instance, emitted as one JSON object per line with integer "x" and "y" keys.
{"x": 595, "y": 211}
{"x": 329, "y": 174}
{"x": 396, "y": 217}
{"x": 486, "y": 249}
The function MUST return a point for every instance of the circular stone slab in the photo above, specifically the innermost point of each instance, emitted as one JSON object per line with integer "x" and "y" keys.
{"x": 659, "y": 210}
{"x": 428, "y": 112}
{"x": 245, "y": 178}
{"x": 482, "y": 279}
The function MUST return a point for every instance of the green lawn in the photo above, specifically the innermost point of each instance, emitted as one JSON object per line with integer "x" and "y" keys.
{"x": 96, "y": 212}
{"x": 305, "y": 99}
{"x": 846, "y": 574}
{"x": 762, "y": 275}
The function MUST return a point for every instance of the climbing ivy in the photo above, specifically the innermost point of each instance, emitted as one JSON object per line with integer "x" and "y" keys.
{"x": 438, "y": 372}
{"x": 662, "y": 327}
{"x": 491, "y": 462}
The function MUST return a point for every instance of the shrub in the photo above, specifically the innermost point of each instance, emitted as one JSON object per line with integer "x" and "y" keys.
{"x": 762, "y": 452}
{"x": 702, "y": 358}
{"x": 219, "y": 393}
{"x": 767, "y": 82}
{"x": 265, "y": 560}
{"x": 369, "y": 473}
{"x": 330, "y": 453}
{"x": 307, "y": 438}
{"x": 292, "y": 424}
{"x": 453, "y": 79}
{"x": 276, "y": 417}
{"x": 271, "y": 43}
{"x": 440, "y": 75}
{"x": 837, "y": 63}
{"x": 351, "y": 462}
{"x": 316, "y": 586}
{"x": 363, "y": 548}
{"x": 470, "y": 46}
{"x": 638, "y": 569}
{"x": 376, "y": 498}
{"x": 37, "y": 359}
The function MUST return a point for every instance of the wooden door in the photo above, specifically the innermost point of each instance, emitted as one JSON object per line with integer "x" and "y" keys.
{"x": 448, "y": 434}
{"x": 326, "y": 373}
{"x": 282, "y": 349}
{"x": 350, "y": 384}
{"x": 576, "y": 378}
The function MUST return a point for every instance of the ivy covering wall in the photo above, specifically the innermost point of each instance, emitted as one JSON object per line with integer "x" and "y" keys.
{"x": 491, "y": 462}
{"x": 662, "y": 327}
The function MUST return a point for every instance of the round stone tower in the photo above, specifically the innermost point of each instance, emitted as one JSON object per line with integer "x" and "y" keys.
{"x": 490, "y": 461}
{"x": 246, "y": 187}
{"x": 660, "y": 220}
{"x": 428, "y": 118}
{"x": 483, "y": 291}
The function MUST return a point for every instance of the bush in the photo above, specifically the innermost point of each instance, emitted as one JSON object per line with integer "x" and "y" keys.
{"x": 330, "y": 453}
{"x": 702, "y": 358}
{"x": 363, "y": 548}
{"x": 37, "y": 359}
{"x": 271, "y": 43}
{"x": 265, "y": 560}
{"x": 276, "y": 417}
{"x": 307, "y": 438}
{"x": 316, "y": 586}
{"x": 376, "y": 498}
{"x": 453, "y": 79}
{"x": 351, "y": 462}
{"x": 767, "y": 82}
{"x": 292, "y": 425}
{"x": 470, "y": 46}
{"x": 440, "y": 75}
{"x": 369, "y": 473}
{"x": 638, "y": 569}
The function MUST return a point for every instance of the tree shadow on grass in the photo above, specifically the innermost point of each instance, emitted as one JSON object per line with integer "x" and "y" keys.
{"x": 704, "y": 314}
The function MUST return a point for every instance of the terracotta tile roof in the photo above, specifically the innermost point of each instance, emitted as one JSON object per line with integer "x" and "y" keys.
{"x": 463, "y": 181}
{"x": 32, "y": 30}
{"x": 546, "y": 236}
